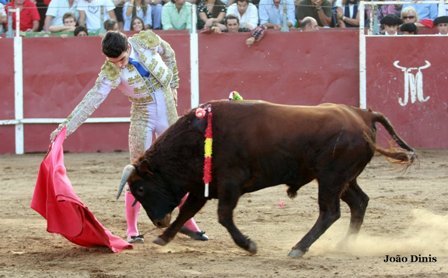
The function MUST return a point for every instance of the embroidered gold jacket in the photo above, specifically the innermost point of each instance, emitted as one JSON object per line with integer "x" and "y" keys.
{"x": 156, "y": 56}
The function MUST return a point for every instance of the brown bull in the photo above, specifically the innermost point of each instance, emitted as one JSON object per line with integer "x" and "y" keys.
{"x": 257, "y": 145}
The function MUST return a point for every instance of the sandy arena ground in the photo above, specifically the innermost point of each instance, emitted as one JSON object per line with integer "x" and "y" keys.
{"x": 407, "y": 215}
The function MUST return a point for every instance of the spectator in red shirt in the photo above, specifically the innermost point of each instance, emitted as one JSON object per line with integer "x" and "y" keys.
{"x": 29, "y": 15}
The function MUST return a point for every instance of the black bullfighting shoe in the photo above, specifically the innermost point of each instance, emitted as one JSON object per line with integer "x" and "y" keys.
{"x": 136, "y": 239}
{"x": 194, "y": 235}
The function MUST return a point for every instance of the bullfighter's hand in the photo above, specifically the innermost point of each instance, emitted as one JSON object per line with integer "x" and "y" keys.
{"x": 55, "y": 133}
{"x": 174, "y": 92}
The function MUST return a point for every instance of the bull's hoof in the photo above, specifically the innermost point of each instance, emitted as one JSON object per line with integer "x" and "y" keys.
{"x": 252, "y": 248}
{"x": 160, "y": 241}
{"x": 296, "y": 253}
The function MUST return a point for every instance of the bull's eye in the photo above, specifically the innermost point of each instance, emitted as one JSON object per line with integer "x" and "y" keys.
{"x": 140, "y": 190}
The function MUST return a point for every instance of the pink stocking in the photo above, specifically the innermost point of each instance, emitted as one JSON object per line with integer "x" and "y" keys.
{"x": 190, "y": 224}
{"x": 131, "y": 214}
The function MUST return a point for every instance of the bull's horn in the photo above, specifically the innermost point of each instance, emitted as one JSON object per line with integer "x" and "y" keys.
{"x": 127, "y": 171}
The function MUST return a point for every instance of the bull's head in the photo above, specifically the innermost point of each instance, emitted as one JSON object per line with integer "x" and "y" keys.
{"x": 150, "y": 190}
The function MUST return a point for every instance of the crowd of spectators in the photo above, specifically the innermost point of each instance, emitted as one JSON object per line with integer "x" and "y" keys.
{"x": 218, "y": 16}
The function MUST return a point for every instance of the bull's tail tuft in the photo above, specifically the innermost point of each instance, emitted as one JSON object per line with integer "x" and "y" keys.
{"x": 397, "y": 155}
{"x": 405, "y": 154}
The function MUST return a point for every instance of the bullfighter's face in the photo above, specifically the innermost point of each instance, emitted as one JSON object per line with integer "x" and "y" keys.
{"x": 157, "y": 202}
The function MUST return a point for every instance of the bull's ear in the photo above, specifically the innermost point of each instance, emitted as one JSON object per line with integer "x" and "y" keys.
{"x": 143, "y": 168}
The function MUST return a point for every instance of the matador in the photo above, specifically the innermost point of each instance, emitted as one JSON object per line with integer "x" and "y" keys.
{"x": 143, "y": 67}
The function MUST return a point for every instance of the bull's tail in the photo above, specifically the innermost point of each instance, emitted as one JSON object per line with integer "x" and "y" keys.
{"x": 405, "y": 154}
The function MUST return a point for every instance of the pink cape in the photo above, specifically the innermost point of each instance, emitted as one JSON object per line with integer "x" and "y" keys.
{"x": 56, "y": 201}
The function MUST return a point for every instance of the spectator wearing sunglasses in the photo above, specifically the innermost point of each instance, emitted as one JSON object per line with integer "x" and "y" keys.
{"x": 409, "y": 15}
{"x": 426, "y": 13}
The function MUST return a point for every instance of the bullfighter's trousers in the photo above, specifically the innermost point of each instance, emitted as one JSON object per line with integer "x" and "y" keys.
{"x": 147, "y": 119}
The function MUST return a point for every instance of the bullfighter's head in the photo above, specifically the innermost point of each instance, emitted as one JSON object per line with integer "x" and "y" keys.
{"x": 150, "y": 190}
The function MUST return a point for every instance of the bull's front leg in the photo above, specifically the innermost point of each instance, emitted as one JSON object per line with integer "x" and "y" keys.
{"x": 227, "y": 203}
{"x": 189, "y": 209}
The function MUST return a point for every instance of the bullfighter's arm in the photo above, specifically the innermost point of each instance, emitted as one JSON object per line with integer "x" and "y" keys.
{"x": 169, "y": 57}
{"x": 106, "y": 81}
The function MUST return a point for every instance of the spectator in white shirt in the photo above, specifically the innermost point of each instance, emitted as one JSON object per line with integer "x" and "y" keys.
{"x": 56, "y": 11}
{"x": 93, "y": 13}
{"x": 247, "y": 13}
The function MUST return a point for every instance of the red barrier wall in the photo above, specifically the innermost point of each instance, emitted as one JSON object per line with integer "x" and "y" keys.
{"x": 294, "y": 68}
{"x": 422, "y": 123}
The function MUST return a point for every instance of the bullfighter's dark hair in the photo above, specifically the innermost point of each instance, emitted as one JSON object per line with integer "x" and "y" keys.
{"x": 114, "y": 43}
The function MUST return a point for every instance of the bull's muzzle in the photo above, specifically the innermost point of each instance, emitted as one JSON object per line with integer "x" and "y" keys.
{"x": 164, "y": 222}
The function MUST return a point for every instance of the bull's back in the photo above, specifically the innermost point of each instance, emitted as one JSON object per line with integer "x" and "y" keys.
{"x": 258, "y": 123}
{"x": 284, "y": 143}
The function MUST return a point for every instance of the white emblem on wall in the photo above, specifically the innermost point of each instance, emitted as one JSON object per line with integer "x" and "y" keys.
{"x": 413, "y": 84}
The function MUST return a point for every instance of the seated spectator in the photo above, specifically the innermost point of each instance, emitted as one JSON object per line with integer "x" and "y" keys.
{"x": 156, "y": 13}
{"x": 56, "y": 11}
{"x": 271, "y": 13}
{"x": 69, "y": 24}
{"x": 137, "y": 24}
{"x": 80, "y": 31}
{"x": 93, "y": 13}
{"x": 231, "y": 25}
{"x": 320, "y": 10}
{"x": 210, "y": 12}
{"x": 390, "y": 24}
{"x": 246, "y": 12}
{"x": 441, "y": 24}
{"x": 309, "y": 24}
{"x": 424, "y": 11}
{"x": 135, "y": 8}
{"x": 409, "y": 15}
{"x": 111, "y": 25}
{"x": 408, "y": 29}
{"x": 29, "y": 15}
{"x": 347, "y": 13}
{"x": 176, "y": 15}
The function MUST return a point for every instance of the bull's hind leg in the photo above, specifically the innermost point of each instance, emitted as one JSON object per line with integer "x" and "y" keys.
{"x": 329, "y": 212}
{"x": 228, "y": 199}
{"x": 357, "y": 200}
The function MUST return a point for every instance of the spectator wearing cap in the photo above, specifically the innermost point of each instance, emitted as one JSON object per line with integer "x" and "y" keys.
{"x": 390, "y": 24}
{"x": 408, "y": 29}
{"x": 441, "y": 24}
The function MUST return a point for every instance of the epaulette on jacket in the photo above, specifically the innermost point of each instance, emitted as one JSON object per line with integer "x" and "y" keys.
{"x": 146, "y": 39}
{"x": 110, "y": 71}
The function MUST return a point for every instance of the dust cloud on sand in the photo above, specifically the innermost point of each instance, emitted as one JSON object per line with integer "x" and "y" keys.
{"x": 425, "y": 233}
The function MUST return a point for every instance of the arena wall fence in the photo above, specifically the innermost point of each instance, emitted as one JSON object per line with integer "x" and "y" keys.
{"x": 292, "y": 68}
